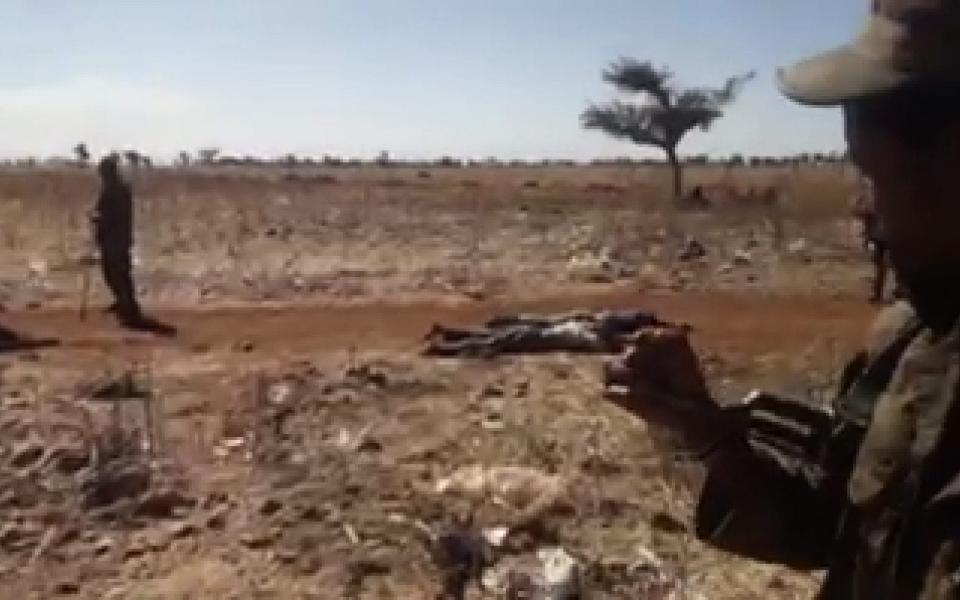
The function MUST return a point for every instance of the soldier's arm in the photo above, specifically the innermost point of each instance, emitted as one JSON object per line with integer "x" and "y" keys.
{"x": 775, "y": 489}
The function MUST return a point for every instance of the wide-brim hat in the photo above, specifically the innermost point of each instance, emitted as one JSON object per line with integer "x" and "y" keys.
{"x": 903, "y": 41}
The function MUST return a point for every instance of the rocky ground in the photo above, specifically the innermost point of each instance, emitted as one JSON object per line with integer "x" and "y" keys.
{"x": 292, "y": 442}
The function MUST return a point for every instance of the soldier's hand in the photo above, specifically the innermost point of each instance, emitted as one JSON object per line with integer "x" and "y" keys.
{"x": 659, "y": 379}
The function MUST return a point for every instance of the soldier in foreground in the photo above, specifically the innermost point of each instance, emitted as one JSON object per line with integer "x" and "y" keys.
{"x": 113, "y": 230}
{"x": 869, "y": 491}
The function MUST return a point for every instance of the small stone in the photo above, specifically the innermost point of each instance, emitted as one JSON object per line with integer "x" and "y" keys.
{"x": 26, "y": 455}
{"x": 286, "y": 556}
{"x": 233, "y": 443}
{"x": 117, "y": 484}
{"x": 667, "y": 522}
{"x": 246, "y": 346}
{"x": 742, "y": 258}
{"x": 369, "y": 445}
{"x": 103, "y": 546}
{"x": 218, "y": 519}
{"x": 692, "y": 250}
{"x": 66, "y": 588}
{"x": 495, "y": 406}
{"x": 311, "y": 513}
{"x": 69, "y": 461}
{"x": 270, "y": 507}
{"x": 523, "y": 389}
{"x": 495, "y": 536}
{"x": 257, "y": 540}
{"x": 777, "y": 583}
{"x": 491, "y": 391}
{"x": 280, "y": 393}
{"x": 134, "y": 551}
{"x": 561, "y": 574}
{"x": 181, "y": 530}
{"x": 797, "y": 247}
{"x": 115, "y": 593}
{"x": 16, "y": 400}
{"x": 493, "y": 424}
{"x": 163, "y": 504}
{"x": 13, "y": 535}
{"x": 647, "y": 558}
{"x": 370, "y": 566}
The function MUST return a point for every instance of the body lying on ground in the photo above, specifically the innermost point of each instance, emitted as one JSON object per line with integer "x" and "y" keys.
{"x": 584, "y": 332}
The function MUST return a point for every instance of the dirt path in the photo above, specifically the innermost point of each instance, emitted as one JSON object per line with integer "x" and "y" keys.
{"x": 426, "y": 421}
{"x": 749, "y": 323}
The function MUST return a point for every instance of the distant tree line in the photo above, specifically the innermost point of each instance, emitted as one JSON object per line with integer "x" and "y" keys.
{"x": 213, "y": 157}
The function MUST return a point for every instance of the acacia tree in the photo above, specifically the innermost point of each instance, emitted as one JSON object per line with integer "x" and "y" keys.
{"x": 82, "y": 154}
{"x": 133, "y": 158}
{"x": 663, "y": 113}
{"x": 208, "y": 155}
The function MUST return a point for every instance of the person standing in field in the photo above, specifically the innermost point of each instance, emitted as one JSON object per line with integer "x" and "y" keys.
{"x": 113, "y": 232}
{"x": 865, "y": 211}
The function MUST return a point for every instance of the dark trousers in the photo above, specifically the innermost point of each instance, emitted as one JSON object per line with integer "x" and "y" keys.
{"x": 117, "y": 273}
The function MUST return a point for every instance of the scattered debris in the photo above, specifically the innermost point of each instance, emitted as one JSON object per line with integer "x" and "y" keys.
{"x": 164, "y": 504}
{"x": 127, "y": 385}
{"x": 742, "y": 258}
{"x": 495, "y": 536}
{"x": 523, "y": 489}
{"x": 692, "y": 250}
{"x": 561, "y": 575}
{"x": 462, "y": 555}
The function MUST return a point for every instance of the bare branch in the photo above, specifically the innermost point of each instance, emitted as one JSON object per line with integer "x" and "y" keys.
{"x": 639, "y": 124}
{"x": 732, "y": 88}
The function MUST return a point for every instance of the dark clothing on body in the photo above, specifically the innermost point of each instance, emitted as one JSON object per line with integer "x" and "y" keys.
{"x": 574, "y": 332}
{"x": 113, "y": 229}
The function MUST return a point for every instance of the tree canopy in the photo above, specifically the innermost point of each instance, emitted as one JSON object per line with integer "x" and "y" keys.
{"x": 663, "y": 113}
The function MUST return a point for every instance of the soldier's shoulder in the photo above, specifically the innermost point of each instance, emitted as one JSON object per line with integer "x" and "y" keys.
{"x": 891, "y": 324}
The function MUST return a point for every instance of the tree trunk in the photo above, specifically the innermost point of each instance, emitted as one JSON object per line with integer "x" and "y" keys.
{"x": 671, "y": 216}
{"x": 677, "y": 173}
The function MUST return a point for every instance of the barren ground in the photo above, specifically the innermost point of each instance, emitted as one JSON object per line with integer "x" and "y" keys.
{"x": 299, "y": 442}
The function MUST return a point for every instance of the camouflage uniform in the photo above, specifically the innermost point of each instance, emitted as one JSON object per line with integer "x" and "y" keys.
{"x": 865, "y": 490}
{"x": 113, "y": 230}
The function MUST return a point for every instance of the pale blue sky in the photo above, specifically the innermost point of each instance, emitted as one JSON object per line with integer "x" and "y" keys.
{"x": 420, "y": 78}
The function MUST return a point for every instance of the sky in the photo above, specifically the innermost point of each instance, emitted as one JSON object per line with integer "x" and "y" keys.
{"x": 418, "y": 78}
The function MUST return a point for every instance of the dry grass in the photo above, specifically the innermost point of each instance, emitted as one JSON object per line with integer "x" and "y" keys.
{"x": 536, "y": 239}
{"x": 245, "y": 234}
